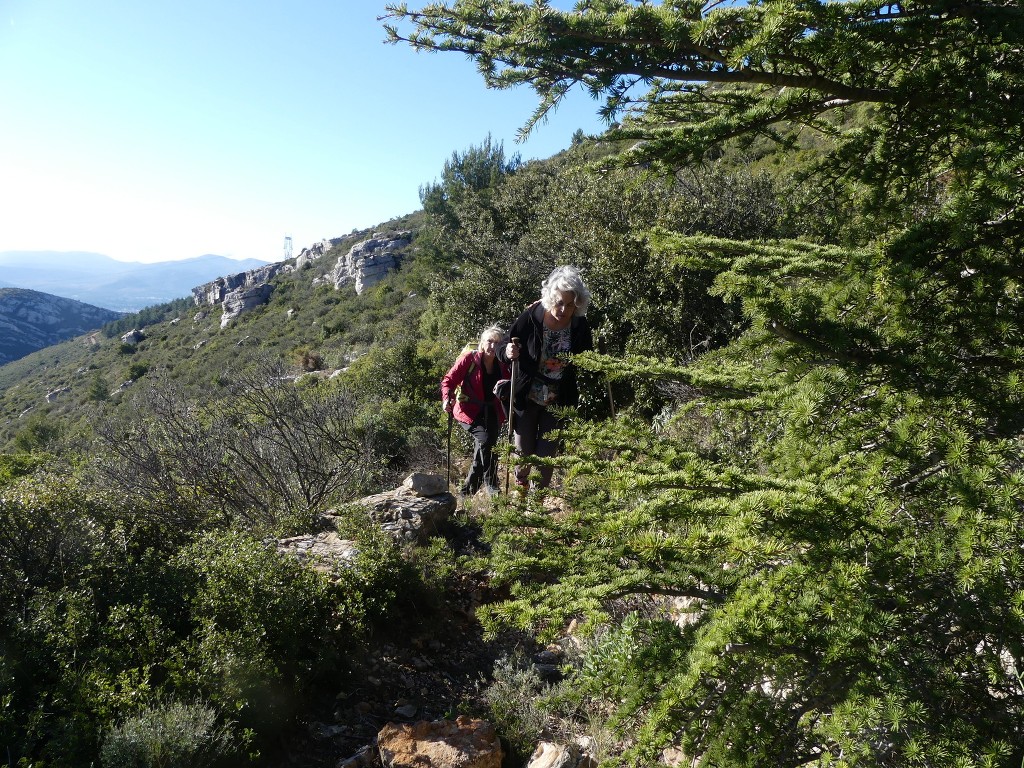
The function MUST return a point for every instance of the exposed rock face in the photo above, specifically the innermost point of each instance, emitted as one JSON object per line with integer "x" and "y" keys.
{"x": 240, "y": 292}
{"x": 30, "y": 320}
{"x": 55, "y": 393}
{"x": 461, "y": 743}
{"x": 216, "y": 291}
{"x": 367, "y": 262}
{"x": 242, "y": 300}
{"x": 325, "y": 552}
{"x": 315, "y": 251}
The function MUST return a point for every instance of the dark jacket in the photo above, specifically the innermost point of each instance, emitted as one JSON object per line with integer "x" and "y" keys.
{"x": 468, "y": 372}
{"x": 529, "y": 328}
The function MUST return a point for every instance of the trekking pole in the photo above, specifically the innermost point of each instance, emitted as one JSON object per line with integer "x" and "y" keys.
{"x": 511, "y": 414}
{"x": 451, "y": 419}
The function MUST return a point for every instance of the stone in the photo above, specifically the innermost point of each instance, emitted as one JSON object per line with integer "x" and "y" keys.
{"x": 463, "y": 743}
{"x": 325, "y": 552}
{"x": 407, "y": 710}
{"x": 672, "y": 756}
{"x": 549, "y": 755}
{"x": 368, "y": 261}
{"x": 216, "y": 291}
{"x": 425, "y": 484}
{"x": 243, "y": 300}
{"x": 367, "y": 757}
{"x": 315, "y": 251}
{"x": 134, "y": 336}
{"x": 406, "y": 518}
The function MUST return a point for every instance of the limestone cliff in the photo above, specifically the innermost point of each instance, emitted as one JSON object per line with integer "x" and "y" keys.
{"x": 364, "y": 265}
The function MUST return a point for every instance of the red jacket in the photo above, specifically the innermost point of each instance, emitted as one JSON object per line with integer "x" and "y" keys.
{"x": 468, "y": 409}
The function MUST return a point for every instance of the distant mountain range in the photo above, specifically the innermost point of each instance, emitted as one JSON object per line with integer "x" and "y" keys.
{"x": 30, "y": 320}
{"x": 121, "y": 286}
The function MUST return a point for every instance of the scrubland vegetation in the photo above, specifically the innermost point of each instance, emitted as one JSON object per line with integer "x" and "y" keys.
{"x": 804, "y": 247}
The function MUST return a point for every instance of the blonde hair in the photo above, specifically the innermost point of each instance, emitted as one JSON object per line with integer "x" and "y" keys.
{"x": 490, "y": 331}
{"x": 564, "y": 279}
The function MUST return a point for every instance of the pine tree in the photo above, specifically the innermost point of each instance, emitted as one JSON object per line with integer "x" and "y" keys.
{"x": 838, "y": 497}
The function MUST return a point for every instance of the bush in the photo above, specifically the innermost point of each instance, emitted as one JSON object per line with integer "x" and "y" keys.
{"x": 512, "y": 699}
{"x": 265, "y": 628}
{"x": 167, "y": 735}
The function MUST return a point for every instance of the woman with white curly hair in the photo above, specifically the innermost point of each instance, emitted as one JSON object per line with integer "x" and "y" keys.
{"x": 541, "y": 339}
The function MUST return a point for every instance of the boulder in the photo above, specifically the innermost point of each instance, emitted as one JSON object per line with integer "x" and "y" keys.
{"x": 425, "y": 484}
{"x": 406, "y": 517}
{"x": 549, "y": 755}
{"x": 463, "y": 743}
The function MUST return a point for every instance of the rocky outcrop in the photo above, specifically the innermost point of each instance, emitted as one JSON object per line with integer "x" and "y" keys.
{"x": 462, "y": 743}
{"x": 240, "y": 292}
{"x": 134, "y": 336}
{"x": 367, "y": 262}
{"x": 30, "y": 320}
{"x": 216, "y": 291}
{"x": 364, "y": 265}
{"x": 410, "y": 513}
{"x": 242, "y": 300}
{"x": 407, "y": 516}
{"x": 315, "y": 251}
{"x": 326, "y": 552}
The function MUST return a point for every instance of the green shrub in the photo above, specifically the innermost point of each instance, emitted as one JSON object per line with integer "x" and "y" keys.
{"x": 513, "y": 701}
{"x": 15, "y": 465}
{"x": 137, "y": 371}
{"x": 40, "y": 433}
{"x": 269, "y": 632}
{"x": 167, "y": 735}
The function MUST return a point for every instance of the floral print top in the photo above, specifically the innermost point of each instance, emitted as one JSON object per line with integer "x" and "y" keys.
{"x": 556, "y": 347}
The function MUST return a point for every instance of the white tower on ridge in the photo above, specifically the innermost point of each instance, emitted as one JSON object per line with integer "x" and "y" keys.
{"x": 287, "y": 247}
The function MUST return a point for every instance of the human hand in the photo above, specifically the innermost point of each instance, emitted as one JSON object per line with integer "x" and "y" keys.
{"x": 448, "y": 405}
{"x": 512, "y": 349}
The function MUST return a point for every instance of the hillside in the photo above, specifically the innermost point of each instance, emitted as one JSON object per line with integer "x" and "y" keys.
{"x": 31, "y": 320}
{"x": 787, "y": 513}
{"x": 185, "y": 343}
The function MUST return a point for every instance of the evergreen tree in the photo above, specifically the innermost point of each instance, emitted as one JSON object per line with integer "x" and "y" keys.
{"x": 838, "y": 498}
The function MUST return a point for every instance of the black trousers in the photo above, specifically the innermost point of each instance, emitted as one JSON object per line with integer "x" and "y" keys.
{"x": 484, "y": 430}
{"x": 531, "y": 429}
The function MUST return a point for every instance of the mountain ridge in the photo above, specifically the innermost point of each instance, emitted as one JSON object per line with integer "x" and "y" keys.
{"x": 120, "y": 286}
{"x": 32, "y": 320}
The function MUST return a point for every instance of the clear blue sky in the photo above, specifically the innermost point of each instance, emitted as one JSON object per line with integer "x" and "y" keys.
{"x": 157, "y": 131}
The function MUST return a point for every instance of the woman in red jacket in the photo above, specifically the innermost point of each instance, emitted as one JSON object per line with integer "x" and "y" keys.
{"x": 476, "y": 408}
